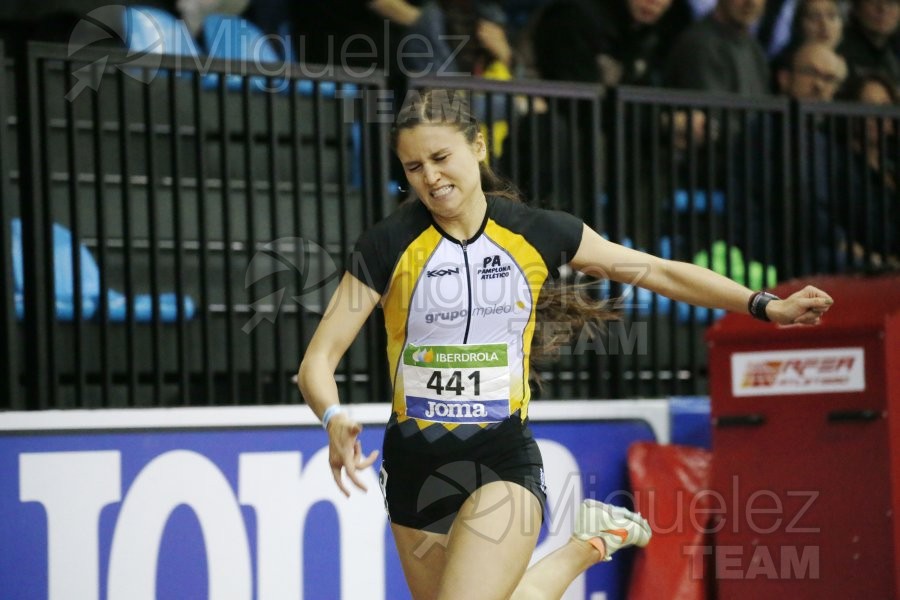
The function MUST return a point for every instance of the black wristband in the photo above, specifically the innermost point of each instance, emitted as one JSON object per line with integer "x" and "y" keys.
{"x": 757, "y": 305}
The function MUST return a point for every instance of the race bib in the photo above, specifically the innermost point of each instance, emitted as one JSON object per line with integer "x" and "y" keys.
{"x": 460, "y": 383}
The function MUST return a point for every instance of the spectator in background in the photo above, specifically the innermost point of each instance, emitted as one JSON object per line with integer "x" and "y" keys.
{"x": 867, "y": 38}
{"x": 814, "y": 21}
{"x": 877, "y": 89}
{"x": 720, "y": 54}
{"x": 870, "y": 176}
{"x": 459, "y": 37}
{"x": 361, "y": 34}
{"x": 465, "y": 37}
{"x": 435, "y": 37}
{"x": 814, "y": 73}
{"x": 610, "y": 42}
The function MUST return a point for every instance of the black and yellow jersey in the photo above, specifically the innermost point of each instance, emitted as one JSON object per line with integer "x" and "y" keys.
{"x": 460, "y": 314}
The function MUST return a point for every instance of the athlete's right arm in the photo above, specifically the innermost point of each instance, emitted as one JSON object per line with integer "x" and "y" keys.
{"x": 350, "y": 306}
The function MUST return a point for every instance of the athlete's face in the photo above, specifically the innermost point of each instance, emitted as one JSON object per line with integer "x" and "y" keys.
{"x": 442, "y": 167}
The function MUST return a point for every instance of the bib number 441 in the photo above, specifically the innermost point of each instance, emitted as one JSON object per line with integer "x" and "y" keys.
{"x": 454, "y": 383}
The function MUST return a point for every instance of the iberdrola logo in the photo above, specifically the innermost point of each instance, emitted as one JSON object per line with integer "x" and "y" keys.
{"x": 424, "y": 355}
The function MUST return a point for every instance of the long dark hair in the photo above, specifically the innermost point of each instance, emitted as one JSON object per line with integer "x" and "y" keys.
{"x": 560, "y": 302}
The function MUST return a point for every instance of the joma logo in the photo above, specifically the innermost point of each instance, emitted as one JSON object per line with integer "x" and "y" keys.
{"x": 455, "y": 410}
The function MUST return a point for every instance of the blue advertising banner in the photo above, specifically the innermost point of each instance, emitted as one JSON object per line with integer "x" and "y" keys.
{"x": 240, "y": 503}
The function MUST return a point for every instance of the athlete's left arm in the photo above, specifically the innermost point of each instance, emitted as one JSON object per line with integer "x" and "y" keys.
{"x": 690, "y": 283}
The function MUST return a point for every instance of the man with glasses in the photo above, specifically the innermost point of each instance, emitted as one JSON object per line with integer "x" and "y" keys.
{"x": 815, "y": 72}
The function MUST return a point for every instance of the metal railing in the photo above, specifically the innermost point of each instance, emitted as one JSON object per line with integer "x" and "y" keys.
{"x": 183, "y": 230}
{"x": 690, "y": 182}
{"x": 197, "y": 225}
{"x": 9, "y": 346}
{"x": 847, "y": 173}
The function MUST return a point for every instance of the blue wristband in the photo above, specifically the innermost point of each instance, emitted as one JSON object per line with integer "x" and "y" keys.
{"x": 330, "y": 412}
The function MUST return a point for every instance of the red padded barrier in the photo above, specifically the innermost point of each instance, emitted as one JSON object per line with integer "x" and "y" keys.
{"x": 671, "y": 488}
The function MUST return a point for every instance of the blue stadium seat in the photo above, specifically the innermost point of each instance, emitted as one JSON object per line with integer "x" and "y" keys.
{"x": 641, "y": 302}
{"x": 64, "y": 284}
{"x": 142, "y": 305}
{"x": 18, "y": 268}
{"x": 683, "y": 201}
{"x": 63, "y": 275}
{"x": 638, "y": 301}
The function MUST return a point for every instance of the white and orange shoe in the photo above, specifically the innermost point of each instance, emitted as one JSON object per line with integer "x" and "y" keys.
{"x": 610, "y": 528}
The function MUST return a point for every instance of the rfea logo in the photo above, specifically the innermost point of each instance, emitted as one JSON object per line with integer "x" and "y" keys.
{"x": 798, "y": 372}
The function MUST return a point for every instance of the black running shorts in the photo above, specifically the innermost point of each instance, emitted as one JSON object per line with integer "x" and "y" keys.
{"x": 425, "y": 482}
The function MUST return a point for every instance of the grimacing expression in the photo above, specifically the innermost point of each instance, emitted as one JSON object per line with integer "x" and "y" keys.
{"x": 442, "y": 166}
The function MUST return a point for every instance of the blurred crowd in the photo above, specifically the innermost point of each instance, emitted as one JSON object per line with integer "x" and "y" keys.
{"x": 810, "y": 49}
{"x": 806, "y": 50}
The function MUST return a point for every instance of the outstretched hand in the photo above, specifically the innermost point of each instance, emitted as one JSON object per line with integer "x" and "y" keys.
{"x": 345, "y": 452}
{"x": 805, "y": 307}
